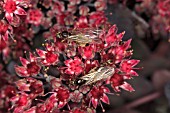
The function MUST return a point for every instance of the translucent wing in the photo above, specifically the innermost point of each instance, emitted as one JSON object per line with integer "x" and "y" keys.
{"x": 84, "y": 36}
{"x": 101, "y": 74}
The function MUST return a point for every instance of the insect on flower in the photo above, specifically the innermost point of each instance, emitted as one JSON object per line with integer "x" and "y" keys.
{"x": 81, "y": 36}
{"x": 101, "y": 74}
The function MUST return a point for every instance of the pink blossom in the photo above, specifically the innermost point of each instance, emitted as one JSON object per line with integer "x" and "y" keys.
{"x": 97, "y": 94}
{"x": 12, "y": 10}
{"x": 126, "y": 66}
{"x": 34, "y": 16}
{"x": 73, "y": 66}
{"x": 29, "y": 68}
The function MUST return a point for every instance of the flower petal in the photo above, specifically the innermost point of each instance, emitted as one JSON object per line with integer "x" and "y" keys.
{"x": 69, "y": 71}
{"x": 105, "y": 99}
{"x": 20, "y": 11}
{"x": 94, "y": 102}
{"x": 9, "y": 16}
{"x": 32, "y": 57}
{"x": 24, "y": 61}
{"x": 21, "y": 71}
{"x": 126, "y": 86}
{"x": 133, "y": 62}
{"x": 22, "y": 85}
{"x": 41, "y": 53}
{"x": 31, "y": 110}
{"x": 5, "y": 37}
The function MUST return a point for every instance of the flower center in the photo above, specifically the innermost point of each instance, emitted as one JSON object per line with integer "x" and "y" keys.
{"x": 22, "y": 100}
{"x": 62, "y": 94}
{"x": 51, "y": 58}
{"x": 32, "y": 68}
{"x": 97, "y": 93}
{"x": 10, "y": 6}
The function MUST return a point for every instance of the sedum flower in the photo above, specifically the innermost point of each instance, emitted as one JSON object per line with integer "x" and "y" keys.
{"x": 74, "y": 66}
{"x": 29, "y": 68}
{"x": 34, "y": 17}
{"x": 98, "y": 94}
{"x": 12, "y": 9}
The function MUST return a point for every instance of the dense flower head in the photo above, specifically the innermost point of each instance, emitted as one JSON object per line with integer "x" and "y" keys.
{"x": 75, "y": 69}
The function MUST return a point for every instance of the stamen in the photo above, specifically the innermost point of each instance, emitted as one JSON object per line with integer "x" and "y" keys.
{"x": 68, "y": 107}
{"x": 111, "y": 93}
{"x": 39, "y": 100}
{"x": 103, "y": 110}
{"x": 90, "y": 103}
{"x": 12, "y": 38}
{"x": 11, "y": 108}
{"x": 48, "y": 93}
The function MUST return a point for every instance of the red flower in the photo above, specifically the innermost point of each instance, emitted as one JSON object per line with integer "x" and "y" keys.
{"x": 76, "y": 96}
{"x": 55, "y": 82}
{"x": 21, "y": 102}
{"x": 7, "y": 91}
{"x": 97, "y": 94}
{"x": 12, "y": 9}
{"x": 61, "y": 18}
{"x": 163, "y": 7}
{"x": 117, "y": 81}
{"x": 34, "y": 16}
{"x": 120, "y": 52}
{"x": 87, "y": 52}
{"x": 35, "y": 87}
{"x": 112, "y": 38}
{"x": 97, "y": 19}
{"x": 90, "y": 65}
{"x": 83, "y": 10}
{"x": 126, "y": 66}
{"x": 74, "y": 66}
{"x": 47, "y": 57}
{"x": 82, "y": 22}
{"x": 100, "y": 5}
{"x": 29, "y": 68}
{"x": 61, "y": 96}
{"x": 60, "y": 46}
{"x": 48, "y": 105}
{"x": 58, "y": 7}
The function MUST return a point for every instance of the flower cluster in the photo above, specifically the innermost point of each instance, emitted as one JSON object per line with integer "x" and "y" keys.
{"x": 87, "y": 62}
{"x": 81, "y": 56}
